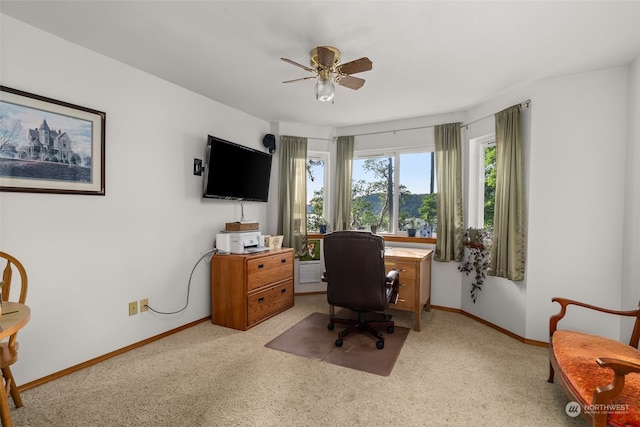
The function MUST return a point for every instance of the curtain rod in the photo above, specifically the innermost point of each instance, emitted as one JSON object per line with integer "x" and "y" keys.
{"x": 394, "y": 131}
{"x": 462, "y": 124}
{"x": 311, "y": 137}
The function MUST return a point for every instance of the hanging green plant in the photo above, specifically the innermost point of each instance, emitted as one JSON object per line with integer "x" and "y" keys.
{"x": 477, "y": 242}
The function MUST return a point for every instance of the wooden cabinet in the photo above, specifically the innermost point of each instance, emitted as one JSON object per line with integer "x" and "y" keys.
{"x": 248, "y": 289}
{"x": 415, "y": 279}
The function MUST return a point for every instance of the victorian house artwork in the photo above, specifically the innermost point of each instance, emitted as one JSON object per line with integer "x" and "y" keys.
{"x": 47, "y": 144}
{"x": 58, "y": 155}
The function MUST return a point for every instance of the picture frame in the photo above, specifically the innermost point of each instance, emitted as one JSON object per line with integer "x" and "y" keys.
{"x": 50, "y": 146}
{"x": 313, "y": 252}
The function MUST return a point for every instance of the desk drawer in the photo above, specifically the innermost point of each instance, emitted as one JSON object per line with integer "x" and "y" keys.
{"x": 406, "y": 295}
{"x": 263, "y": 304}
{"x": 407, "y": 270}
{"x": 269, "y": 269}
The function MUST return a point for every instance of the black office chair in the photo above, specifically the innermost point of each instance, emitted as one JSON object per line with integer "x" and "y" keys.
{"x": 356, "y": 280}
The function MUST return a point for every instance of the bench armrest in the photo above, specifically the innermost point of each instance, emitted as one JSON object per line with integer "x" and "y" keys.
{"x": 564, "y": 302}
{"x": 604, "y": 394}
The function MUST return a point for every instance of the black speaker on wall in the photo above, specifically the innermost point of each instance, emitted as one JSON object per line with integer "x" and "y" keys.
{"x": 269, "y": 141}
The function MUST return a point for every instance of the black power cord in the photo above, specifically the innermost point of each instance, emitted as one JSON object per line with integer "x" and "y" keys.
{"x": 210, "y": 252}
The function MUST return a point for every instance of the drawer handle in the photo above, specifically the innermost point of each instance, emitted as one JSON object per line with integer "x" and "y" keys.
{"x": 260, "y": 266}
{"x": 283, "y": 261}
{"x": 261, "y": 299}
{"x": 282, "y": 291}
{"x": 403, "y": 284}
{"x": 402, "y": 300}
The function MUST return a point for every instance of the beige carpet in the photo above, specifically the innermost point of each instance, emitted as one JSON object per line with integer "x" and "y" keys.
{"x": 455, "y": 372}
{"x": 311, "y": 338}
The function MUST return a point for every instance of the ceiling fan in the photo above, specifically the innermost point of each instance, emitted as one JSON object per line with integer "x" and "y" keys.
{"x": 327, "y": 69}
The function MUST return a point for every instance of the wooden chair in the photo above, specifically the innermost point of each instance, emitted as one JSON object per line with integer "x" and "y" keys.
{"x": 9, "y": 349}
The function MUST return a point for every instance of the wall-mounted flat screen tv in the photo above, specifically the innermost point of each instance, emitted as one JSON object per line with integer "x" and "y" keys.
{"x": 235, "y": 172}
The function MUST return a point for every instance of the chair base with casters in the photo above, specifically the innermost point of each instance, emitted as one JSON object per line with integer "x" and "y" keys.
{"x": 360, "y": 324}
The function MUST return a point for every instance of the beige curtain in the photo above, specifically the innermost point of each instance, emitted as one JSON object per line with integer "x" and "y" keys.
{"x": 507, "y": 254}
{"x": 344, "y": 173}
{"x": 292, "y": 209}
{"x": 450, "y": 227}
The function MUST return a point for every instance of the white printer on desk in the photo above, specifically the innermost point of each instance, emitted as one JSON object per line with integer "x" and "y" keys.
{"x": 238, "y": 242}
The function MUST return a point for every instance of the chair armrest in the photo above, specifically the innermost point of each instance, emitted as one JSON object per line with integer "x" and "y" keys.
{"x": 604, "y": 394}
{"x": 392, "y": 276}
{"x": 393, "y": 283}
{"x": 564, "y": 302}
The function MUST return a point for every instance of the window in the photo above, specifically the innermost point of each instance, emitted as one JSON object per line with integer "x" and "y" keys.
{"x": 317, "y": 185}
{"x": 483, "y": 179}
{"x": 392, "y": 187}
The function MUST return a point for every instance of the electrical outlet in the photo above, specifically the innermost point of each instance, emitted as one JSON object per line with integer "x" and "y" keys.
{"x": 144, "y": 305}
{"x": 133, "y": 308}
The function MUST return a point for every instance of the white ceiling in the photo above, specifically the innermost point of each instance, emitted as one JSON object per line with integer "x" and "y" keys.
{"x": 428, "y": 57}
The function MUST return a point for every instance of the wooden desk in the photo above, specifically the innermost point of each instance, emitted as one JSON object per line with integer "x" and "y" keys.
{"x": 415, "y": 279}
{"x": 14, "y": 317}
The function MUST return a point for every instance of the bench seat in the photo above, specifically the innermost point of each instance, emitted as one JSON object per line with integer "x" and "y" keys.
{"x": 600, "y": 374}
{"x": 576, "y": 353}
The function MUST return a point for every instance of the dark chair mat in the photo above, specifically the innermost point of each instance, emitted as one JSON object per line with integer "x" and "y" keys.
{"x": 311, "y": 338}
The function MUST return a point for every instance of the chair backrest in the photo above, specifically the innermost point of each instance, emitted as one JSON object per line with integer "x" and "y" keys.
{"x": 7, "y": 276}
{"x": 355, "y": 271}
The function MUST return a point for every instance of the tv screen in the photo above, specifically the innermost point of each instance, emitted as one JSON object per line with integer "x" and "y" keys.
{"x": 236, "y": 172}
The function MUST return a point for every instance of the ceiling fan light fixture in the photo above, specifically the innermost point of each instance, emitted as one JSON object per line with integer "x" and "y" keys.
{"x": 325, "y": 63}
{"x": 325, "y": 89}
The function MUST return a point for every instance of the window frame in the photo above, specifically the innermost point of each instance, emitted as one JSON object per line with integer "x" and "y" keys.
{"x": 326, "y": 203}
{"x": 395, "y": 153}
{"x": 477, "y": 147}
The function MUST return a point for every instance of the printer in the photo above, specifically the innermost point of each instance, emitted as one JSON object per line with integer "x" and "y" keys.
{"x": 239, "y": 242}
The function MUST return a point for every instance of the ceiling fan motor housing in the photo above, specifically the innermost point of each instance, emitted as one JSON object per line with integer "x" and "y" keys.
{"x": 317, "y": 63}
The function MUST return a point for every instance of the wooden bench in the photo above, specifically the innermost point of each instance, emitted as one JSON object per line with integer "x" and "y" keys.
{"x": 601, "y": 374}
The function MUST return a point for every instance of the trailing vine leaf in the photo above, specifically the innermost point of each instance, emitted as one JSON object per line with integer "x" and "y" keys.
{"x": 475, "y": 258}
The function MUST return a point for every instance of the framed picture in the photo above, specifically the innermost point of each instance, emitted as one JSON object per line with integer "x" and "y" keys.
{"x": 313, "y": 251}
{"x": 50, "y": 146}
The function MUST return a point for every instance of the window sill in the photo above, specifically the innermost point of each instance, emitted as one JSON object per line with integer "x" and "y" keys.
{"x": 388, "y": 238}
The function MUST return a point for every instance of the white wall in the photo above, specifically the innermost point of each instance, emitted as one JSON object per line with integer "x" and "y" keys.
{"x": 631, "y": 252}
{"x": 577, "y": 197}
{"x": 88, "y": 256}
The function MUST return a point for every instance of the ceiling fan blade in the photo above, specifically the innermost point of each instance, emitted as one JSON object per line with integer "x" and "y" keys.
{"x": 297, "y": 80}
{"x": 351, "y": 82}
{"x": 325, "y": 56}
{"x": 304, "y": 67}
{"x": 356, "y": 66}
